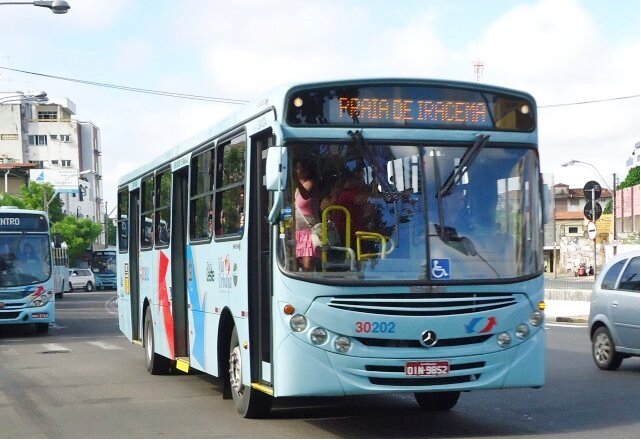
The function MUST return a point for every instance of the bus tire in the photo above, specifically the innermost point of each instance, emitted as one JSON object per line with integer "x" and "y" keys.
{"x": 70, "y": 287}
{"x": 249, "y": 403}
{"x": 443, "y": 401}
{"x": 42, "y": 327}
{"x": 156, "y": 364}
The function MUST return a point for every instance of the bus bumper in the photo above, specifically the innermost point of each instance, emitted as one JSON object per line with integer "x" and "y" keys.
{"x": 336, "y": 375}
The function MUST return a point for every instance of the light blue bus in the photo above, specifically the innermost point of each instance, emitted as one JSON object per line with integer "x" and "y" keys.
{"x": 343, "y": 238}
{"x": 26, "y": 281}
{"x": 103, "y": 266}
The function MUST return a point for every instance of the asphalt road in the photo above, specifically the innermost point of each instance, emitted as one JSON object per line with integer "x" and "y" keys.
{"x": 85, "y": 380}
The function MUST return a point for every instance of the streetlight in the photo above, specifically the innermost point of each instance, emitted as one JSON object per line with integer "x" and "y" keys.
{"x": 614, "y": 200}
{"x": 56, "y": 6}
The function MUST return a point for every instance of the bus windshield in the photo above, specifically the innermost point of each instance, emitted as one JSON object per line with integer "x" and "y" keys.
{"x": 24, "y": 259}
{"x": 103, "y": 262}
{"x": 412, "y": 212}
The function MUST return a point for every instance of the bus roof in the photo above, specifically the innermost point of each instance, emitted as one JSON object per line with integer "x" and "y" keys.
{"x": 276, "y": 99}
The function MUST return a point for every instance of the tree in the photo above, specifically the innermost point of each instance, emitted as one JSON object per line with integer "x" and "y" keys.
{"x": 631, "y": 179}
{"x": 111, "y": 233}
{"x": 36, "y": 196}
{"x": 78, "y": 233}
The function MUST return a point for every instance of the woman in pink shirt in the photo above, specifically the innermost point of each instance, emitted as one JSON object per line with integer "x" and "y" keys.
{"x": 307, "y": 209}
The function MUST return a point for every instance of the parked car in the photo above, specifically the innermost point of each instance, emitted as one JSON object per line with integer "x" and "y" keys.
{"x": 614, "y": 312}
{"x": 81, "y": 279}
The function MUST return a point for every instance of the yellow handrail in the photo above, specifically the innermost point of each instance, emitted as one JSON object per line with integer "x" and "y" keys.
{"x": 373, "y": 236}
{"x": 324, "y": 220}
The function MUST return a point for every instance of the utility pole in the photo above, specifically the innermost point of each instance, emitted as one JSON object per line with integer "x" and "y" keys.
{"x": 594, "y": 220}
{"x": 106, "y": 224}
{"x": 614, "y": 214}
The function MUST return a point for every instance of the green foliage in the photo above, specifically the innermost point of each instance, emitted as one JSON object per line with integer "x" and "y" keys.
{"x": 35, "y": 196}
{"x": 79, "y": 234}
{"x": 608, "y": 207}
{"x": 631, "y": 179}
{"x": 111, "y": 233}
{"x": 11, "y": 200}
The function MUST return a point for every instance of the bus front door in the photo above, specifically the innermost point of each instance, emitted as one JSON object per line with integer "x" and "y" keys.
{"x": 134, "y": 282}
{"x": 260, "y": 279}
{"x": 179, "y": 197}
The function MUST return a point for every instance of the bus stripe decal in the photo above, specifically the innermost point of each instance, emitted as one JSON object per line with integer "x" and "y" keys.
{"x": 163, "y": 302}
{"x": 197, "y": 314}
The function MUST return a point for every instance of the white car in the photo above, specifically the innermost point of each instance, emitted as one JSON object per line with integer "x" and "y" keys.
{"x": 81, "y": 279}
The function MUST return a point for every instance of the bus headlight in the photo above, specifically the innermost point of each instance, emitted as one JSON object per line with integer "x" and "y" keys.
{"x": 536, "y": 318}
{"x": 342, "y": 344}
{"x": 318, "y": 336}
{"x": 504, "y": 339}
{"x": 40, "y": 301}
{"x": 298, "y": 323}
{"x": 522, "y": 331}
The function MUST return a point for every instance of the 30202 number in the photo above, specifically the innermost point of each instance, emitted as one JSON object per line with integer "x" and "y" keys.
{"x": 375, "y": 327}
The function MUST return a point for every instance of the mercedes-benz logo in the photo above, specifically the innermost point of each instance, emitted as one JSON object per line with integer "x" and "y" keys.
{"x": 429, "y": 338}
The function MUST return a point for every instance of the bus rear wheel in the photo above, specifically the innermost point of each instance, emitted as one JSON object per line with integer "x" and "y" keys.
{"x": 249, "y": 403}
{"x": 443, "y": 401}
{"x": 156, "y": 364}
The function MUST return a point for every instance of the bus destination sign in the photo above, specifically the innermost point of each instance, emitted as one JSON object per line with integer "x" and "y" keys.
{"x": 11, "y": 222}
{"x": 410, "y": 106}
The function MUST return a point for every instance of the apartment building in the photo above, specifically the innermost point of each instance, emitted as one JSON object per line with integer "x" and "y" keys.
{"x": 47, "y": 136}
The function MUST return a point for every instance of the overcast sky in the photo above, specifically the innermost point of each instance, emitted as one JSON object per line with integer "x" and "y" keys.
{"x": 560, "y": 51}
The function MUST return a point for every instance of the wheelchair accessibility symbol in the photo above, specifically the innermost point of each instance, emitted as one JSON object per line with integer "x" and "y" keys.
{"x": 440, "y": 268}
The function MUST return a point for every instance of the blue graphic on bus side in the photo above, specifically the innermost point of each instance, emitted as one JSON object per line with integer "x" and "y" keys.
{"x": 440, "y": 268}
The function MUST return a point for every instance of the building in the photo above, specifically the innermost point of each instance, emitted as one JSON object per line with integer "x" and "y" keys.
{"x": 45, "y": 136}
{"x": 573, "y": 246}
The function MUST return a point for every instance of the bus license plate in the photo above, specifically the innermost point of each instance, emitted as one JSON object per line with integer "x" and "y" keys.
{"x": 427, "y": 368}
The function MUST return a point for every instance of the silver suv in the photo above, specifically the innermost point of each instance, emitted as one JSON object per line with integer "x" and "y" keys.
{"x": 81, "y": 279}
{"x": 614, "y": 312}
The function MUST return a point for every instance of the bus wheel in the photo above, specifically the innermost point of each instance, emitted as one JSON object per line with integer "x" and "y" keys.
{"x": 70, "y": 287}
{"x": 156, "y": 364}
{"x": 42, "y": 327}
{"x": 443, "y": 401}
{"x": 250, "y": 403}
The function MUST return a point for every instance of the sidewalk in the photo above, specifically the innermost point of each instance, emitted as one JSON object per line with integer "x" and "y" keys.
{"x": 567, "y": 311}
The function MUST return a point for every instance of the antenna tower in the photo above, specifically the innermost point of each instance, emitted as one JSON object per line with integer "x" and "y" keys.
{"x": 478, "y": 69}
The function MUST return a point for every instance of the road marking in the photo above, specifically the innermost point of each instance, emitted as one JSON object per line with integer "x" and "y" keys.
{"x": 9, "y": 352}
{"x": 567, "y": 325}
{"x": 56, "y": 326}
{"x": 104, "y": 345}
{"x": 55, "y": 348}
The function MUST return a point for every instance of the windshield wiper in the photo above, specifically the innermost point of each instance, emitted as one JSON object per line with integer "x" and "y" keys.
{"x": 467, "y": 159}
{"x": 379, "y": 172}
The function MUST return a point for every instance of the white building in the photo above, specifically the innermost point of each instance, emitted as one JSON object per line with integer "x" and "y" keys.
{"x": 46, "y": 135}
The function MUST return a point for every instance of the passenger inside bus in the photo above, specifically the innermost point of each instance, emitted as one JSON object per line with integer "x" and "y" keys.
{"x": 307, "y": 214}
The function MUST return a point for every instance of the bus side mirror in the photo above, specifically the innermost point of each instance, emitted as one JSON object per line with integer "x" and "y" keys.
{"x": 276, "y": 168}
{"x": 547, "y": 200}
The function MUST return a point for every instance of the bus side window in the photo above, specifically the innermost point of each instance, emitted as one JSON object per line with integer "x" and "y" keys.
{"x": 230, "y": 187}
{"x": 123, "y": 213}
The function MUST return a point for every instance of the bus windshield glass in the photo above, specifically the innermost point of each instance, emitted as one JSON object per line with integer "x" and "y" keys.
{"x": 389, "y": 215}
{"x": 24, "y": 259}
{"x": 103, "y": 262}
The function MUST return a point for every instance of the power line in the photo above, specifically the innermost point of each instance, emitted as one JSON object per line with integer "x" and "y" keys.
{"x": 588, "y": 102}
{"x": 241, "y": 101}
{"x": 134, "y": 89}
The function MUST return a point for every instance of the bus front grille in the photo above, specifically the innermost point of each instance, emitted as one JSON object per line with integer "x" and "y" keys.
{"x": 415, "y": 343}
{"x": 439, "y": 304}
{"x": 9, "y": 315}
